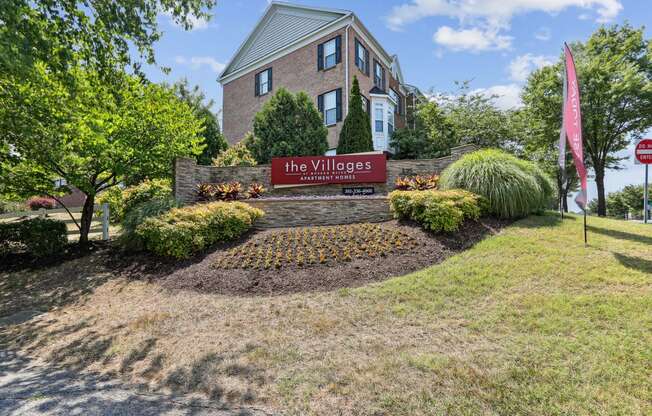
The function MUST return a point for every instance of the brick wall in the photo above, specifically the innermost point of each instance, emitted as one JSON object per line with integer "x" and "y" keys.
{"x": 187, "y": 175}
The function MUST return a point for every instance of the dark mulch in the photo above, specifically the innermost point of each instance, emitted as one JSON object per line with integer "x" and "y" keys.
{"x": 431, "y": 249}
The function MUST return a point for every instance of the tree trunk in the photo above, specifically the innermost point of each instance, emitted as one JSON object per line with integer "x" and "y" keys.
{"x": 86, "y": 219}
{"x": 599, "y": 181}
{"x": 564, "y": 200}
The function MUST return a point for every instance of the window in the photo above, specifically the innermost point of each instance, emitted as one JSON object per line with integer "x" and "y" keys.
{"x": 365, "y": 103}
{"x": 396, "y": 98}
{"x": 331, "y": 152}
{"x": 361, "y": 57}
{"x": 58, "y": 183}
{"x": 330, "y": 105}
{"x": 390, "y": 120}
{"x": 263, "y": 82}
{"x": 328, "y": 53}
{"x": 379, "y": 76}
{"x": 379, "y": 118}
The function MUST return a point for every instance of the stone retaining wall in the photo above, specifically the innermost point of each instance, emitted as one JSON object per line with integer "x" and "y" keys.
{"x": 284, "y": 212}
{"x": 187, "y": 175}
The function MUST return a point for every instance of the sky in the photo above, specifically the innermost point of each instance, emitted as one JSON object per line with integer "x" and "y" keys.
{"x": 493, "y": 43}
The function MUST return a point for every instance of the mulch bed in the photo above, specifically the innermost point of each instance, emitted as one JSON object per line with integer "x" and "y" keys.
{"x": 204, "y": 276}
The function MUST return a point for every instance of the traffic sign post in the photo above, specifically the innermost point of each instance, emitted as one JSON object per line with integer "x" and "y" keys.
{"x": 643, "y": 155}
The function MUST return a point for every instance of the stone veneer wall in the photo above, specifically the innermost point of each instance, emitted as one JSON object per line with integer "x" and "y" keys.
{"x": 187, "y": 175}
{"x": 283, "y": 212}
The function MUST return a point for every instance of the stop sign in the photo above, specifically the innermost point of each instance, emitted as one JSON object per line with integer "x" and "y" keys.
{"x": 643, "y": 151}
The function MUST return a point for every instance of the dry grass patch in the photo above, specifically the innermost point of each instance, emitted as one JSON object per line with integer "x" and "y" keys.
{"x": 526, "y": 322}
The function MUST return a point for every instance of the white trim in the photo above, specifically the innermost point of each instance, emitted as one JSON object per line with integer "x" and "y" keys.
{"x": 380, "y": 52}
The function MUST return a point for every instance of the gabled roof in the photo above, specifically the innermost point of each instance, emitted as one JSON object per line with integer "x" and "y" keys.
{"x": 281, "y": 25}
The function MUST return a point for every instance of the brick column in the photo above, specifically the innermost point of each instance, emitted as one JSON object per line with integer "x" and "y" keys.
{"x": 184, "y": 179}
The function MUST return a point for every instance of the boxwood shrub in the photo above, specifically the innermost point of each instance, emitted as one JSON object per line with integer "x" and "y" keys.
{"x": 437, "y": 210}
{"x": 183, "y": 231}
{"x": 39, "y": 236}
{"x": 513, "y": 187}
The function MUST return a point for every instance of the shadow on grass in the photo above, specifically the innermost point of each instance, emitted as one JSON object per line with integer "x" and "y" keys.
{"x": 33, "y": 387}
{"x": 635, "y": 263}
{"x": 621, "y": 235}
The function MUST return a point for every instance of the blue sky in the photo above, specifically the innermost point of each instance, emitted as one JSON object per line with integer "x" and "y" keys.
{"x": 494, "y": 43}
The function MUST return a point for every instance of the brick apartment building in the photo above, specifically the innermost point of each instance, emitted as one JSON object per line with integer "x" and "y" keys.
{"x": 318, "y": 51}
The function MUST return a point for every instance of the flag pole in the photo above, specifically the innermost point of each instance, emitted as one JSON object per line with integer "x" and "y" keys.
{"x": 586, "y": 243}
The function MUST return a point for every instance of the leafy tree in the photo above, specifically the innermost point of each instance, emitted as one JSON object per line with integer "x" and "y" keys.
{"x": 101, "y": 34}
{"x": 236, "y": 155}
{"x": 474, "y": 117}
{"x": 538, "y": 140}
{"x": 355, "y": 136}
{"x": 288, "y": 125}
{"x": 632, "y": 196}
{"x": 95, "y": 136}
{"x": 432, "y": 135}
{"x": 213, "y": 137}
{"x": 615, "y": 75}
{"x": 620, "y": 203}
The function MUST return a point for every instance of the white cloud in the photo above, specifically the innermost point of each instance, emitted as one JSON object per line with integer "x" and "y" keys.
{"x": 196, "y": 62}
{"x": 543, "y": 34}
{"x": 496, "y": 12}
{"x": 506, "y": 97}
{"x": 482, "y": 22}
{"x": 471, "y": 39}
{"x": 521, "y": 66}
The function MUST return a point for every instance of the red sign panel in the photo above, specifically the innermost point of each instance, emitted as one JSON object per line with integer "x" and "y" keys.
{"x": 320, "y": 170}
{"x": 643, "y": 151}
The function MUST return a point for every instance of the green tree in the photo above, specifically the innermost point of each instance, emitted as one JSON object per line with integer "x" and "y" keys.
{"x": 632, "y": 196}
{"x": 355, "y": 136}
{"x": 213, "y": 137}
{"x": 288, "y": 125}
{"x": 101, "y": 34}
{"x": 433, "y": 135}
{"x": 615, "y": 75}
{"x": 236, "y": 155}
{"x": 95, "y": 136}
{"x": 475, "y": 118}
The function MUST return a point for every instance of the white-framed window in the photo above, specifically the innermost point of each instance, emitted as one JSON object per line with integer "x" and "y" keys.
{"x": 397, "y": 100}
{"x": 378, "y": 118}
{"x": 330, "y": 54}
{"x": 264, "y": 82}
{"x": 330, "y": 108}
{"x": 58, "y": 183}
{"x": 390, "y": 120}
{"x": 379, "y": 75}
{"x": 331, "y": 152}
{"x": 365, "y": 103}
{"x": 361, "y": 57}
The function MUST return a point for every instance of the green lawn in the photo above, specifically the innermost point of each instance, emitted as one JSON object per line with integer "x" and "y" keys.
{"x": 527, "y": 322}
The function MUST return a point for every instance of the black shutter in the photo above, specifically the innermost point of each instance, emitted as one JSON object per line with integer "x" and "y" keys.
{"x": 369, "y": 107}
{"x": 320, "y": 57}
{"x": 366, "y": 61}
{"x": 338, "y": 49}
{"x": 269, "y": 79}
{"x": 257, "y": 85}
{"x": 382, "y": 70}
{"x": 338, "y": 103}
{"x": 320, "y": 104}
{"x": 357, "y": 55}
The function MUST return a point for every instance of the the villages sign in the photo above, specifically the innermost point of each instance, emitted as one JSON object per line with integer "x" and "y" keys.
{"x": 321, "y": 170}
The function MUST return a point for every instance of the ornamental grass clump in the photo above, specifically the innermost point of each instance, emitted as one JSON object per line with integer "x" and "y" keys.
{"x": 513, "y": 187}
{"x": 437, "y": 210}
{"x": 182, "y": 232}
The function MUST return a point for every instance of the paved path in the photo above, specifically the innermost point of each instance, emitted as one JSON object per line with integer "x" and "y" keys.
{"x": 30, "y": 388}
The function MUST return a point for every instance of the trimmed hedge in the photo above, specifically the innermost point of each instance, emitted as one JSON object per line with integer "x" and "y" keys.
{"x": 183, "y": 231}
{"x": 513, "y": 187}
{"x": 137, "y": 215}
{"x": 39, "y": 236}
{"x": 437, "y": 210}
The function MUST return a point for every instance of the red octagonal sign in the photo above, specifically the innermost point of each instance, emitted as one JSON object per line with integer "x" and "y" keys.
{"x": 643, "y": 151}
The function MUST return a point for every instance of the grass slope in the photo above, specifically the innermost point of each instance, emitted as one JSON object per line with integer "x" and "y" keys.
{"x": 526, "y": 322}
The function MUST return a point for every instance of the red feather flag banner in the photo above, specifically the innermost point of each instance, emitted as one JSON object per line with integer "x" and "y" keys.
{"x": 572, "y": 128}
{"x": 572, "y": 124}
